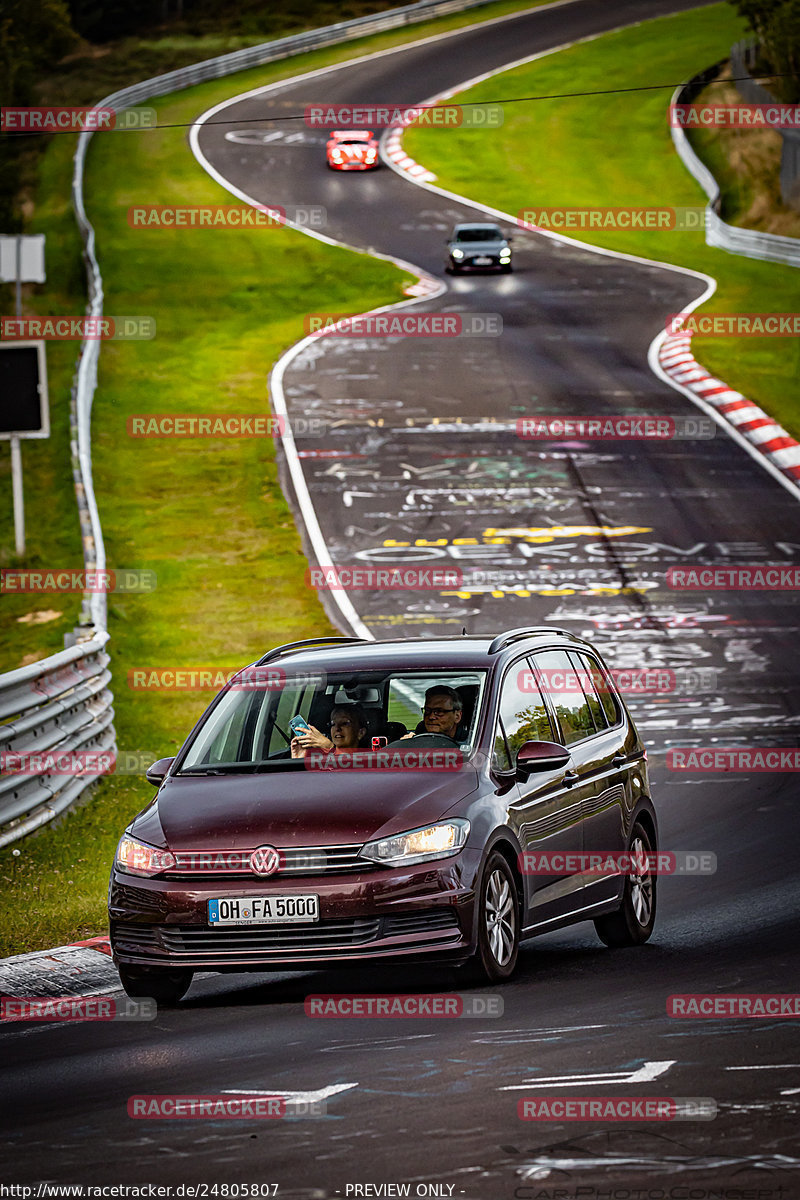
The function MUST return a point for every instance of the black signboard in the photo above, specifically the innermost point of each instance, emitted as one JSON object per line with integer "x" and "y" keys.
{"x": 23, "y": 390}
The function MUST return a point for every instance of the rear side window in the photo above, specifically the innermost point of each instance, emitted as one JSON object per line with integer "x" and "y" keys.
{"x": 561, "y": 682}
{"x": 589, "y": 685}
{"x": 603, "y": 688}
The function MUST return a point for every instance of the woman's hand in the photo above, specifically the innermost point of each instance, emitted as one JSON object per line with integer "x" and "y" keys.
{"x": 311, "y": 740}
{"x": 297, "y": 750}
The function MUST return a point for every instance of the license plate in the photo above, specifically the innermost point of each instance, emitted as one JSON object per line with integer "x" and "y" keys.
{"x": 264, "y": 910}
{"x": 483, "y": 261}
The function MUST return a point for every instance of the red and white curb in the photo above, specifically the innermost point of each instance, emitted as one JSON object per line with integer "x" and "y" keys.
{"x": 79, "y": 969}
{"x": 393, "y": 150}
{"x": 751, "y": 422}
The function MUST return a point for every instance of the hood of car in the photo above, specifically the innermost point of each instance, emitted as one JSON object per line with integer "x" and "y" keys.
{"x": 297, "y": 808}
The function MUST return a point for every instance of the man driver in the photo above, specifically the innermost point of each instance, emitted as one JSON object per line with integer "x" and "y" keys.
{"x": 442, "y": 712}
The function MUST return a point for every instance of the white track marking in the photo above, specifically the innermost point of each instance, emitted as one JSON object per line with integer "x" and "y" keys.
{"x": 644, "y": 1074}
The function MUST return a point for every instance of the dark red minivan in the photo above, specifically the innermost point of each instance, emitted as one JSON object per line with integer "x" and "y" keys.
{"x": 348, "y": 801}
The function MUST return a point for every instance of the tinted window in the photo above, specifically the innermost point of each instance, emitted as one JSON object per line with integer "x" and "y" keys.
{"x": 481, "y": 234}
{"x": 604, "y": 690}
{"x": 522, "y": 710}
{"x": 589, "y": 685}
{"x": 560, "y": 680}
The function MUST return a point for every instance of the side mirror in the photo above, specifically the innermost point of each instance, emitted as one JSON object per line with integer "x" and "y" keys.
{"x": 541, "y": 756}
{"x": 157, "y": 773}
{"x": 509, "y": 237}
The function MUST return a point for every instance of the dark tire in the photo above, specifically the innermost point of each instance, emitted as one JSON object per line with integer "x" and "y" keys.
{"x": 505, "y": 270}
{"x": 165, "y": 987}
{"x": 632, "y": 923}
{"x": 497, "y": 914}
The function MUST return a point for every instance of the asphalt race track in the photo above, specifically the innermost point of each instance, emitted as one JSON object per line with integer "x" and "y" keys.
{"x": 582, "y": 535}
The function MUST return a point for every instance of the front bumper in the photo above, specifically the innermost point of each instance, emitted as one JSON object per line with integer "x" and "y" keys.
{"x": 420, "y": 912}
{"x": 353, "y": 166}
{"x": 469, "y": 264}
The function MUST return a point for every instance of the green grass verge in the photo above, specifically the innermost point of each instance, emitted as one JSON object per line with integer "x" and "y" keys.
{"x": 207, "y": 515}
{"x": 616, "y": 151}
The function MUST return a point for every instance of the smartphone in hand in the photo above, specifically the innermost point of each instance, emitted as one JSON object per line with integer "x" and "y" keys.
{"x": 299, "y": 725}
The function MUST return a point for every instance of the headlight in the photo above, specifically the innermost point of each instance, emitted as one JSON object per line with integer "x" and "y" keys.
{"x": 137, "y": 858}
{"x": 419, "y": 845}
{"x": 505, "y": 255}
{"x": 456, "y": 253}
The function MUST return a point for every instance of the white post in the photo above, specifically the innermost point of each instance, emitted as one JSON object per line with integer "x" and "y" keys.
{"x": 19, "y": 502}
{"x": 19, "y": 276}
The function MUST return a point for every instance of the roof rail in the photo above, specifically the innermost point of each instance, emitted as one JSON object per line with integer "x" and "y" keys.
{"x": 516, "y": 635}
{"x": 318, "y": 641}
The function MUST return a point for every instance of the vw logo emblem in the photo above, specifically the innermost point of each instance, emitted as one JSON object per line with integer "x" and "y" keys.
{"x": 265, "y": 860}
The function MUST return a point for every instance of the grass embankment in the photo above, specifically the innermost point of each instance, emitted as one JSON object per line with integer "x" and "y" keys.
{"x": 207, "y": 515}
{"x": 746, "y": 164}
{"x": 601, "y": 150}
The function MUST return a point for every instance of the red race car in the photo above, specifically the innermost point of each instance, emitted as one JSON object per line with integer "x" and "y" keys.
{"x": 352, "y": 150}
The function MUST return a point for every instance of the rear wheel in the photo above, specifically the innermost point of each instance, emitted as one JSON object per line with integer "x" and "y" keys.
{"x": 498, "y": 921}
{"x": 632, "y": 923}
{"x": 165, "y": 987}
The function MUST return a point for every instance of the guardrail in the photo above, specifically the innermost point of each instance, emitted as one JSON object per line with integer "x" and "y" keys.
{"x": 53, "y": 709}
{"x": 751, "y": 243}
{"x": 62, "y": 704}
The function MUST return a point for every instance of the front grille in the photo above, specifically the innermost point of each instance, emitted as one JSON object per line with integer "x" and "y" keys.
{"x": 325, "y": 938}
{"x": 135, "y": 937}
{"x": 428, "y": 921}
{"x": 297, "y": 860}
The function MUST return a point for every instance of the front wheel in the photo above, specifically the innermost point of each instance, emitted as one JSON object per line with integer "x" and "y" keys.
{"x": 165, "y": 987}
{"x": 498, "y": 921}
{"x": 632, "y": 923}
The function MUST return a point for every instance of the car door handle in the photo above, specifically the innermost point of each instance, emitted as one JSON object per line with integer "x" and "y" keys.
{"x": 619, "y": 760}
{"x": 571, "y": 777}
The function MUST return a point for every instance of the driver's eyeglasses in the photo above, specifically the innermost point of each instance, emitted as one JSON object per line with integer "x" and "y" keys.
{"x": 436, "y": 712}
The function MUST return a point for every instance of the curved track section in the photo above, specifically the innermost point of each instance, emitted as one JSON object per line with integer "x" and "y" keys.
{"x": 584, "y": 534}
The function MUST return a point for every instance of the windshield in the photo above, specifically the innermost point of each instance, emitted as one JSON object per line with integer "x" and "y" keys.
{"x": 249, "y": 727}
{"x": 484, "y": 233}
